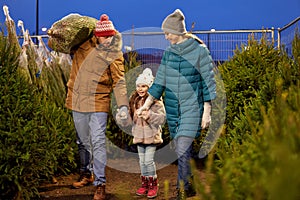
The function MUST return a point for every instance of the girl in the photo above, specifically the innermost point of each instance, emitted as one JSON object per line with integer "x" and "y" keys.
{"x": 146, "y": 131}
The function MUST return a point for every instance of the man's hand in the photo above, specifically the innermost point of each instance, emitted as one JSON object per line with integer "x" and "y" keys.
{"x": 122, "y": 113}
{"x": 122, "y": 117}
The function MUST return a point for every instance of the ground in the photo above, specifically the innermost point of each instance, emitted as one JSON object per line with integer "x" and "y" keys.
{"x": 120, "y": 186}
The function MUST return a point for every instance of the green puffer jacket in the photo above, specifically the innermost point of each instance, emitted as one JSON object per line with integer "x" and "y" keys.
{"x": 186, "y": 76}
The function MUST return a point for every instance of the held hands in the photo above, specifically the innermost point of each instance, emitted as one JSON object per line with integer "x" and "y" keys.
{"x": 206, "y": 118}
{"x": 146, "y": 106}
{"x": 122, "y": 116}
{"x": 140, "y": 111}
{"x": 122, "y": 113}
{"x": 145, "y": 114}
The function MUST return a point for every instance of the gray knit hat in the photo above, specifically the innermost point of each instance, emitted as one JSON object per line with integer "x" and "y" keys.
{"x": 174, "y": 23}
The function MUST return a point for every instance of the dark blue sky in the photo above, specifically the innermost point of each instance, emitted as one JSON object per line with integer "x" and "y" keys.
{"x": 217, "y": 14}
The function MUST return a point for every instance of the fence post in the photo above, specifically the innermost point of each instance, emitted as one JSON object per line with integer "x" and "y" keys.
{"x": 208, "y": 40}
{"x": 272, "y": 35}
{"x": 278, "y": 36}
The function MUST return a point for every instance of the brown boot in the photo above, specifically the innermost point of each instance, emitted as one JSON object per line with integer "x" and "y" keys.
{"x": 84, "y": 180}
{"x": 100, "y": 192}
{"x": 152, "y": 187}
{"x": 144, "y": 188}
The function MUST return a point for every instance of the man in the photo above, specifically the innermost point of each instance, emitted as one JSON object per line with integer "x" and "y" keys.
{"x": 97, "y": 70}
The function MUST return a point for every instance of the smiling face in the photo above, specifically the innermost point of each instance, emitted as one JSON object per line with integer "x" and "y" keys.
{"x": 105, "y": 41}
{"x": 142, "y": 89}
{"x": 173, "y": 39}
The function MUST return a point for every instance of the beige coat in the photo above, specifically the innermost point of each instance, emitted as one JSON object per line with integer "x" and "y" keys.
{"x": 149, "y": 131}
{"x": 96, "y": 72}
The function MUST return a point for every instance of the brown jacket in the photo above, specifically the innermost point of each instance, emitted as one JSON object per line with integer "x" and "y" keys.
{"x": 149, "y": 131}
{"x": 96, "y": 72}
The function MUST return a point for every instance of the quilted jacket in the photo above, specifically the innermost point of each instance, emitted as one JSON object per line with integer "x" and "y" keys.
{"x": 186, "y": 76}
{"x": 96, "y": 72}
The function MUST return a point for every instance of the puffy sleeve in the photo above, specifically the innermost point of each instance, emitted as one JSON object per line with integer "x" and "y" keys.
{"x": 119, "y": 84}
{"x": 158, "y": 87}
{"x": 206, "y": 66}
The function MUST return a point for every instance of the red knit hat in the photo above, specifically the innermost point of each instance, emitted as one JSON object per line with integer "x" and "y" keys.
{"x": 104, "y": 27}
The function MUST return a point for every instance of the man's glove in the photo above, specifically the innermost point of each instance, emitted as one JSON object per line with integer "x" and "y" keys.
{"x": 146, "y": 106}
{"x": 206, "y": 118}
{"x": 122, "y": 112}
{"x": 122, "y": 116}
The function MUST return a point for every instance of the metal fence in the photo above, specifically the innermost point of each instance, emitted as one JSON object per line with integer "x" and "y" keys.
{"x": 286, "y": 35}
{"x": 149, "y": 43}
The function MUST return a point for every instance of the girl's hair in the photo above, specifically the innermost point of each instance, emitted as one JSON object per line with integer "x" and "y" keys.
{"x": 133, "y": 102}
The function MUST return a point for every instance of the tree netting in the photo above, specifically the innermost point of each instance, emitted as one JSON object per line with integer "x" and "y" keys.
{"x": 70, "y": 31}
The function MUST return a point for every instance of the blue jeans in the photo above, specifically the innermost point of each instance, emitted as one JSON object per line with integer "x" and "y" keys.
{"x": 183, "y": 148}
{"x": 91, "y": 128}
{"x": 146, "y": 159}
{"x": 84, "y": 156}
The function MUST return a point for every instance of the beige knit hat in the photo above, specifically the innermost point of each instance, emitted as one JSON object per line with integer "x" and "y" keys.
{"x": 174, "y": 23}
{"x": 104, "y": 27}
{"x": 145, "y": 77}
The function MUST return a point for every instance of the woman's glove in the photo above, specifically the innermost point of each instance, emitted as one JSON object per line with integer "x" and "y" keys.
{"x": 146, "y": 106}
{"x": 206, "y": 117}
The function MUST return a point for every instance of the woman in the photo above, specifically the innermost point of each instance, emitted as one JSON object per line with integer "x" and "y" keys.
{"x": 186, "y": 76}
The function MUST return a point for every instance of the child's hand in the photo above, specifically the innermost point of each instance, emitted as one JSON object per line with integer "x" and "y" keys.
{"x": 145, "y": 114}
{"x": 146, "y": 106}
{"x": 140, "y": 111}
